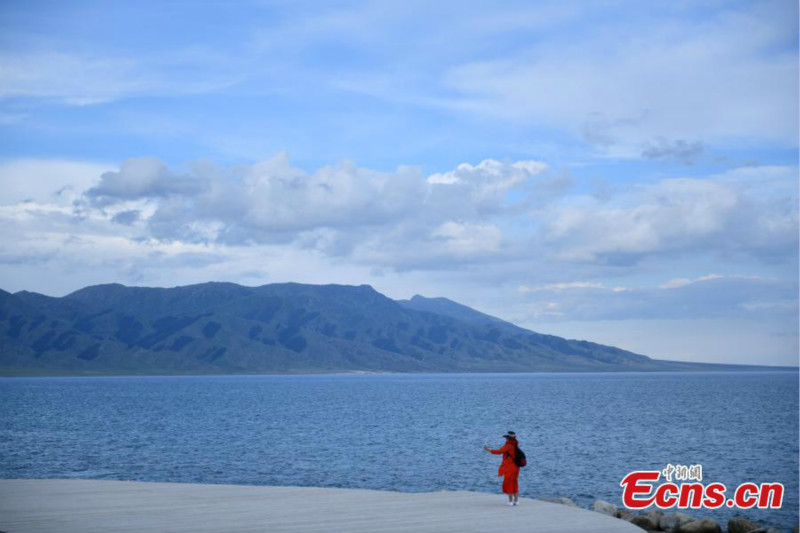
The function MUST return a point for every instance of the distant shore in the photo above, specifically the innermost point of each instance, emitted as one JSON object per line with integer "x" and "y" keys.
{"x": 27, "y": 373}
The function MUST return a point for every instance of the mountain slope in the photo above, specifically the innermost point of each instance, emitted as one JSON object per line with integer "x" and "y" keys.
{"x": 444, "y": 306}
{"x": 289, "y": 327}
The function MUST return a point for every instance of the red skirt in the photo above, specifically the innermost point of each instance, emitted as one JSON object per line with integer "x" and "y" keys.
{"x": 510, "y": 482}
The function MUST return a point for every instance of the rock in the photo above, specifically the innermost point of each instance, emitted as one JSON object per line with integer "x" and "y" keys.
{"x": 706, "y": 525}
{"x": 562, "y": 501}
{"x": 765, "y": 529}
{"x": 655, "y": 516}
{"x": 644, "y": 521}
{"x": 604, "y": 507}
{"x": 795, "y": 529}
{"x": 624, "y": 514}
{"x": 740, "y": 524}
{"x": 672, "y": 522}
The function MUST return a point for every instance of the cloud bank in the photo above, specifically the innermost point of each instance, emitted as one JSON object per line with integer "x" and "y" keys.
{"x": 489, "y": 212}
{"x": 491, "y": 209}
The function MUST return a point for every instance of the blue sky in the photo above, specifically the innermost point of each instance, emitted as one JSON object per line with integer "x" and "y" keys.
{"x": 624, "y": 172}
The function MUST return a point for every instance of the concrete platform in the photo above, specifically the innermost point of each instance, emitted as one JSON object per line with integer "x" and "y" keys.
{"x": 88, "y": 506}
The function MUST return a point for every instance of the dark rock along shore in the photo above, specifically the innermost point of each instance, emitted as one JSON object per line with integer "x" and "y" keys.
{"x": 658, "y": 521}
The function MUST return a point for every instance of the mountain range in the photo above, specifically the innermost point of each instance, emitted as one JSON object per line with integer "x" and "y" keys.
{"x": 214, "y": 328}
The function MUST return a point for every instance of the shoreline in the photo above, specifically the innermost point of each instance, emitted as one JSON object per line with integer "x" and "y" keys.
{"x": 92, "y": 374}
{"x": 656, "y": 520}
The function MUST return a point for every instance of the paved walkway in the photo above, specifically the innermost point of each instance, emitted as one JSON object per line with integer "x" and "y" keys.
{"x": 88, "y": 506}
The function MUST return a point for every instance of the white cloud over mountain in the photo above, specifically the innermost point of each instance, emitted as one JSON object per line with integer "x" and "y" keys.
{"x": 406, "y": 220}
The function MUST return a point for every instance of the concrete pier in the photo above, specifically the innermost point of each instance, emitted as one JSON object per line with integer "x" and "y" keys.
{"x": 89, "y": 506}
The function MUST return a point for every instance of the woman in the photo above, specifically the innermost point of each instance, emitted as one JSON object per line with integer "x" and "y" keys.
{"x": 508, "y": 468}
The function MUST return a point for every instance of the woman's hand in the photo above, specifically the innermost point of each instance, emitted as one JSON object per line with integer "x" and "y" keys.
{"x": 486, "y": 448}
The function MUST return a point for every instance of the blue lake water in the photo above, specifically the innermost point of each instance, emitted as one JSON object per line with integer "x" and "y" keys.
{"x": 581, "y": 432}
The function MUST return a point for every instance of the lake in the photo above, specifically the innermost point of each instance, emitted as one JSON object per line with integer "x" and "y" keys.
{"x": 408, "y": 432}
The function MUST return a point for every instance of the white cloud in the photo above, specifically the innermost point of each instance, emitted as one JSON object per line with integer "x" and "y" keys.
{"x": 564, "y": 286}
{"x": 671, "y": 216}
{"x": 336, "y": 207}
{"x": 407, "y": 221}
{"x": 491, "y": 175}
{"x": 682, "y": 282}
{"x": 144, "y": 177}
{"x": 280, "y": 197}
{"x": 468, "y": 239}
{"x": 47, "y": 180}
{"x": 479, "y": 189}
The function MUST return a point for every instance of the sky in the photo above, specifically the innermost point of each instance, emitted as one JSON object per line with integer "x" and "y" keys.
{"x": 624, "y": 172}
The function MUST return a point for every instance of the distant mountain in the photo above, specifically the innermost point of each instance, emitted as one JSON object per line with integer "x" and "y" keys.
{"x": 288, "y": 327}
{"x": 443, "y": 306}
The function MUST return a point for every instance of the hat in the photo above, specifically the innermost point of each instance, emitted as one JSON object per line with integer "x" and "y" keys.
{"x": 510, "y": 435}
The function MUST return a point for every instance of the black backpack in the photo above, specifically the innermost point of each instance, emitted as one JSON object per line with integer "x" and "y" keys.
{"x": 519, "y": 458}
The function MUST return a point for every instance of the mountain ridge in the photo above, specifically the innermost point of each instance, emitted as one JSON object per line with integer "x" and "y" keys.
{"x": 221, "y": 327}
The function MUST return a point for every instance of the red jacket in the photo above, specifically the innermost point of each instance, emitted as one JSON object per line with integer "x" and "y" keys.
{"x": 509, "y": 451}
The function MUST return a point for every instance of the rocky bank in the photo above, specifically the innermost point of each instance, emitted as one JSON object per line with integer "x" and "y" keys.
{"x": 658, "y": 521}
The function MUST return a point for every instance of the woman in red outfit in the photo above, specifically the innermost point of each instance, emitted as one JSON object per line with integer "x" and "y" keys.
{"x": 508, "y": 469}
